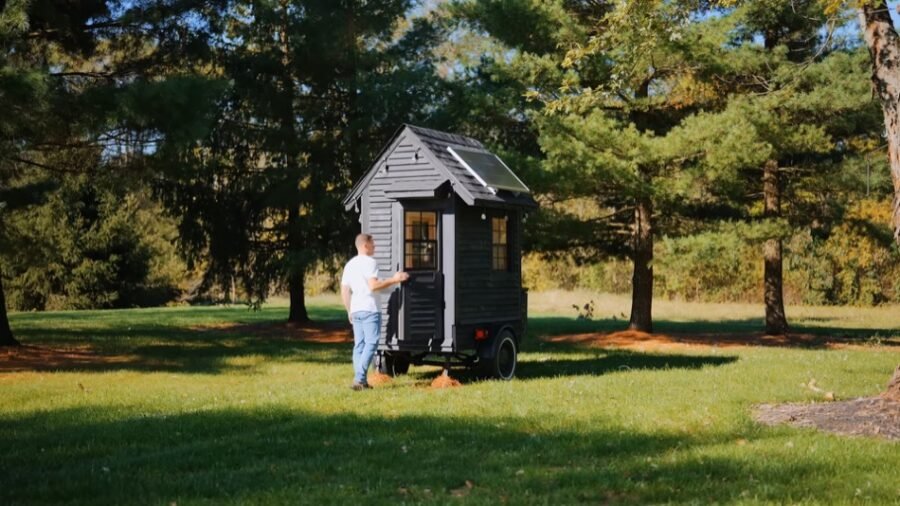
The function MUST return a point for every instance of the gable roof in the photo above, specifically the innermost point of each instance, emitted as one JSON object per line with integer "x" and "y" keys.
{"x": 461, "y": 180}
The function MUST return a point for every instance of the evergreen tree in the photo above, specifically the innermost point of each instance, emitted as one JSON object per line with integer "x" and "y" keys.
{"x": 783, "y": 133}
{"x": 316, "y": 87}
{"x": 89, "y": 86}
{"x": 96, "y": 242}
{"x": 614, "y": 79}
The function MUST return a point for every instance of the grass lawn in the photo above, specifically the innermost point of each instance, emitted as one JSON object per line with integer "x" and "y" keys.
{"x": 192, "y": 416}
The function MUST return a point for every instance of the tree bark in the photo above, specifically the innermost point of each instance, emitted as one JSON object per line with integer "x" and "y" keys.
{"x": 298, "y": 313}
{"x": 642, "y": 259}
{"x": 884, "y": 48}
{"x": 776, "y": 321}
{"x": 6, "y": 335}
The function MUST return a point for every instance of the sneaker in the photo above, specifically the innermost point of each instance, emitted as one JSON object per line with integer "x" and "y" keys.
{"x": 359, "y": 386}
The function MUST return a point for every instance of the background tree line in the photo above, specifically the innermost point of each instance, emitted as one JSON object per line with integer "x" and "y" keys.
{"x": 706, "y": 150}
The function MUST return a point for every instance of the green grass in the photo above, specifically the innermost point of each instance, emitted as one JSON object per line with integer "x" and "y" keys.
{"x": 196, "y": 417}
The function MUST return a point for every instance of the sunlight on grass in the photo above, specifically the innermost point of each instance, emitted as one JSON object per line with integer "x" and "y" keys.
{"x": 882, "y": 320}
{"x": 205, "y": 417}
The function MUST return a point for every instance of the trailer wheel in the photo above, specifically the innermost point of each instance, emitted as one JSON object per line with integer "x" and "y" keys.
{"x": 392, "y": 365}
{"x": 502, "y": 364}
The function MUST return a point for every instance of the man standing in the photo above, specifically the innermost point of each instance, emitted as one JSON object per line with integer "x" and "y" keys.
{"x": 358, "y": 285}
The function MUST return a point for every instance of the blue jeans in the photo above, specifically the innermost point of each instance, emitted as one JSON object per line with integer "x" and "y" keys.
{"x": 366, "y": 329}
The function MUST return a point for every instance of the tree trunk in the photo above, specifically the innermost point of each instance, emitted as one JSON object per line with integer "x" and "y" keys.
{"x": 642, "y": 258}
{"x": 298, "y": 313}
{"x": 295, "y": 239}
{"x": 884, "y": 49}
{"x": 776, "y": 321}
{"x": 6, "y": 335}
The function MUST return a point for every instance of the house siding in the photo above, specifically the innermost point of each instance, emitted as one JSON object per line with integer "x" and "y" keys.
{"x": 484, "y": 295}
{"x": 398, "y": 166}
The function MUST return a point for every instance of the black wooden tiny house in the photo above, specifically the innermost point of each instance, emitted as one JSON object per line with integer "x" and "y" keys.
{"x": 449, "y": 213}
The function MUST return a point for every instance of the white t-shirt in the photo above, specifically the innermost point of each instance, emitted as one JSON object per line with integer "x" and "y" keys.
{"x": 357, "y": 273}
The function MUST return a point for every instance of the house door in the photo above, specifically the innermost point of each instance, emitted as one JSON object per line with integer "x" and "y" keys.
{"x": 423, "y": 294}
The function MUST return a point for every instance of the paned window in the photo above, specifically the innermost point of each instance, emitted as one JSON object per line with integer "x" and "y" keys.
{"x": 420, "y": 248}
{"x": 499, "y": 244}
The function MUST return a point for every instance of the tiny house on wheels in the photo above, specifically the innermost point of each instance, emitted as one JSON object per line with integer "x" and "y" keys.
{"x": 448, "y": 212}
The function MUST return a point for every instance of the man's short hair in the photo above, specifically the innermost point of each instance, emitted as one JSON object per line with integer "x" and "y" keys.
{"x": 362, "y": 240}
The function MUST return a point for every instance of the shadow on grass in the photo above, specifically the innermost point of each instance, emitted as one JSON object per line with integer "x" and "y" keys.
{"x": 207, "y": 356}
{"x": 294, "y": 457}
{"x": 601, "y": 362}
{"x": 172, "y": 340}
{"x": 615, "y": 361}
{"x": 188, "y": 340}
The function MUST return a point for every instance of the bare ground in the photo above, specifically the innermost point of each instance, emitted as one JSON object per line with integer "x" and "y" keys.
{"x": 643, "y": 341}
{"x": 30, "y": 357}
{"x": 871, "y": 416}
{"x": 47, "y": 358}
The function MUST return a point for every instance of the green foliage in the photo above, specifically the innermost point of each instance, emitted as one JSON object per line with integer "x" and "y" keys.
{"x": 89, "y": 91}
{"x": 598, "y": 105}
{"x": 855, "y": 264}
{"x": 544, "y": 272}
{"x": 91, "y": 245}
{"x": 710, "y": 266}
{"x": 305, "y": 112}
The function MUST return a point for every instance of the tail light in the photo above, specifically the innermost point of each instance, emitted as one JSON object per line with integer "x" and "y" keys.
{"x": 481, "y": 334}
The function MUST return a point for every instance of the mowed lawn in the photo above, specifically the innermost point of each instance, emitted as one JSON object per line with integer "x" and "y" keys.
{"x": 183, "y": 410}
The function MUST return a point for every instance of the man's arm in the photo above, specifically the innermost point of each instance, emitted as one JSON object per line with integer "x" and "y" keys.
{"x": 376, "y": 284}
{"x": 345, "y": 297}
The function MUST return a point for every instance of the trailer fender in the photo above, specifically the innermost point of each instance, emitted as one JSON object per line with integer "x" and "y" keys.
{"x": 486, "y": 347}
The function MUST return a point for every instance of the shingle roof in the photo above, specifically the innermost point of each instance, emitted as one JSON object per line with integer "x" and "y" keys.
{"x": 462, "y": 181}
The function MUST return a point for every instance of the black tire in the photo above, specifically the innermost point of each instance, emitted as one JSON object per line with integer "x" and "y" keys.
{"x": 392, "y": 365}
{"x": 504, "y": 358}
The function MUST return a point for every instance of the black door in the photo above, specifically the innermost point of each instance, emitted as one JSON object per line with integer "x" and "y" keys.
{"x": 423, "y": 294}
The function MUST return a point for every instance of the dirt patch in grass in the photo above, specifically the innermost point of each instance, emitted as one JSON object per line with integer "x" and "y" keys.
{"x": 871, "y": 416}
{"x": 445, "y": 381}
{"x": 84, "y": 357}
{"x": 47, "y": 358}
{"x": 328, "y": 332}
{"x": 644, "y": 341}
{"x": 377, "y": 379}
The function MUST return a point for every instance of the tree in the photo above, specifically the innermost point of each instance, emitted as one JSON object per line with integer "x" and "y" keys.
{"x": 83, "y": 87}
{"x": 613, "y": 80}
{"x": 15, "y": 196}
{"x": 792, "y": 135}
{"x": 27, "y": 93}
{"x": 96, "y": 241}
{"x": 884, "y": 48}
{"x": 315, "y": 88}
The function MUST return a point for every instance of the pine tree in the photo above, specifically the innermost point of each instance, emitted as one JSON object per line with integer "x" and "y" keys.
{"x": 613, "y": 80}
{"x": 88, "y": 86}
{"x": 780, "y": 134}
{"x": 315, "y": 87}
